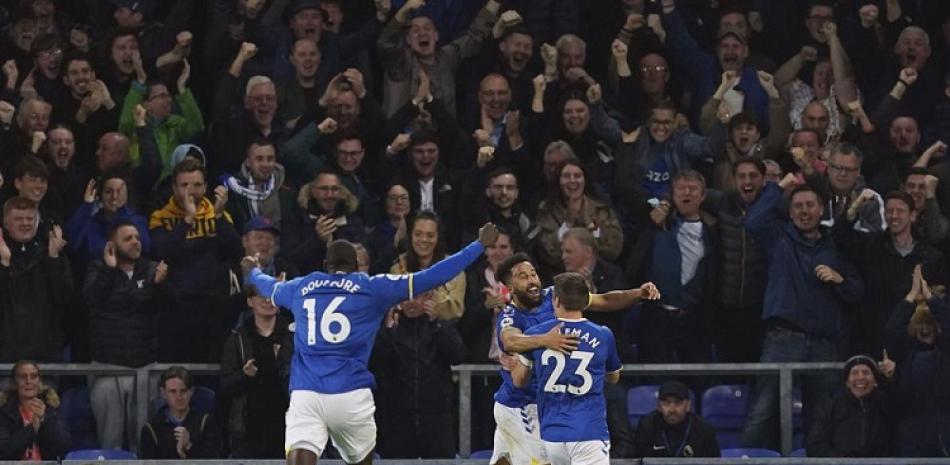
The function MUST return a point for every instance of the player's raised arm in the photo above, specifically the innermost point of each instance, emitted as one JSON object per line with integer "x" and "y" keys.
{"x": 394, "y": 291}
{"x": 623, "y": 299}
{"x": 265, "y": 284}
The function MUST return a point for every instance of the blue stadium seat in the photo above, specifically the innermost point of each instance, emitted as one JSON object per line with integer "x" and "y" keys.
{"x": 799, "y": 453}
{"x": 76, "y": 410}
{"x": 202, "y": 401}
{"x": 481, "y": 454}
{"x": 641, "y": 400}
{"x": 100, "y": 454}
{"x": 747, "y": 453}
{"x": 725, "y": 407}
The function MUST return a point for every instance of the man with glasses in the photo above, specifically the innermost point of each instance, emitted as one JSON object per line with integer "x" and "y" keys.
{"x": 47, "y": 54}
{"x": 325, "y": 212}
{"x": 233, "y": 128}
{"x": 170, "y": 129}
{"x": 349, "y": 156}
{"x": 844, "y": 190}
{"x": 662, "y": 150}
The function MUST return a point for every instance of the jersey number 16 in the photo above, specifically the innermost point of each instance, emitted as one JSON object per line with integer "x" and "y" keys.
{"x": 328, "y": 317}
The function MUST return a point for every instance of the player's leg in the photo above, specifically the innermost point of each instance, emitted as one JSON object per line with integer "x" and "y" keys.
{"x": 506, "y": 425}
{"x": 556, "y": 452}
{"x": 517, "y": 436}
{"x": 306, "y": 431}
{"x": 301, "y": 457}
{"x": 352, "y": 425}
{"x": 587, "y": 452}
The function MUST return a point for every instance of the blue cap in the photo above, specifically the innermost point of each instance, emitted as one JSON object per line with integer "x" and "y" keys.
{"x": 260, "y": 223}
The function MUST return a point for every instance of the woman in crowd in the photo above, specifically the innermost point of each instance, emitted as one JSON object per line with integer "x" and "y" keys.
{"x": 30, "y": 426}
{"x": 572, "y": 204}
{"x": 425, "y": 248}
{"x": 385, "y": 239}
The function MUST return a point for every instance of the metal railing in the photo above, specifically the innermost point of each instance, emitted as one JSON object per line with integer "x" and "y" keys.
{"x": 146, "y": 378}
{"x": 784, "y": 371}
{"x": 146, "y": 383}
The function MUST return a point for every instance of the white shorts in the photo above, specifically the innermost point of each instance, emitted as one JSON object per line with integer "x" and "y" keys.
{"x": 578, "y": 453}
{"x": 518, "y": 436}
{"x": 347, "y": 418}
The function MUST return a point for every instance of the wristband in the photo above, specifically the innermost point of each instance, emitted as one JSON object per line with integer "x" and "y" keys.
{"x": 905, "y": 83}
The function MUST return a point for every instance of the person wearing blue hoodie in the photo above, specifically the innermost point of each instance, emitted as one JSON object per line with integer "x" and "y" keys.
{"x": 808, "y": 284}
{"x": 105, "y": 205}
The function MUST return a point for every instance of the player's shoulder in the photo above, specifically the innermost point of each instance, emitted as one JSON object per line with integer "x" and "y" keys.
{"x": 542, "y": 327}
{"x": 510, "y": 317}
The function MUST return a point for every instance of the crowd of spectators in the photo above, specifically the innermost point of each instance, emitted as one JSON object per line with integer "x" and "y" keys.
{"x": 778, "y": 169}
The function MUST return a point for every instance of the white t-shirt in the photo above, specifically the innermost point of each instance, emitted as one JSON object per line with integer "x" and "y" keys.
{"x": 426, "y": 201}
{"x": 692, "y": 250}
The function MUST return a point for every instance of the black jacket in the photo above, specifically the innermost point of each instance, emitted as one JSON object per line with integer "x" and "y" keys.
{"x": 480, "y": 210}
{"x": 887, "y": 277}
{"x": 36, "y": 289}
{"x": 446, "y": 191}
{"x": 742, "y": 263}
{"x": 158, "y": 437}
{"x": 652, "y": 442}
{"x": 923, "y": 379}
{"x": 413, "y": 366}
{"x": 15, "y": 438}
{"x": 123, "y": 313}
{"x": 608, "y": 277}
{"x": 477, "y": 322}
{"x": 238, "y": 349}
{"x": 852, "y": 427}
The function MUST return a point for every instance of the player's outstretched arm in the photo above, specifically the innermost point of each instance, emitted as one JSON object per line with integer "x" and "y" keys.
{"x": 624, "y": 299}
{"x": 264, "y": 283}
{"x": 438, "y": 274}
{"x": 514, "y": 340}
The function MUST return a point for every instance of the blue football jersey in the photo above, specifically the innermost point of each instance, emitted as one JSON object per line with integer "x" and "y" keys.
{"x": 337, "y": 317}
{"x": 570, "y": 388}
{"x": 512, "y": 317}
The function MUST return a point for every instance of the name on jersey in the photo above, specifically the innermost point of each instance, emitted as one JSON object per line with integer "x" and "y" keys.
{"x": 344, "y": 284}
{"x": 581, "y": 336}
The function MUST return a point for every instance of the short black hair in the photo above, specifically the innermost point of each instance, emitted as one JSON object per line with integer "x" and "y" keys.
{"x": 423, "y": 135}
{"x": 504, "y": 270}
{"x": 917, "y": 171}
{"x": 121, "y": 222}
{"x": 341, "y": 256}
{"x": 805, "y": 188}
{"x": 746, "y": 117}
{"x": 902, "y": 196}
{"x": 516, "y": 30}
{"x": 758, "y": 163}
{"x": 572, "y": 290}
{"x": 44, "y": 42}
{"x": 30, "y": 165}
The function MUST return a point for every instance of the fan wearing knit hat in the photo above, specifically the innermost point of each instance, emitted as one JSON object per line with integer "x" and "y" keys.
{"x": 856, "y": 423}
